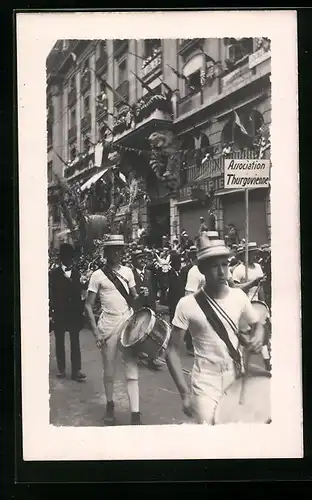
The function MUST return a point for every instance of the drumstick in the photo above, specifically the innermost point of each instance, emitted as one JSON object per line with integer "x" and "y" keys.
{"x": 243, "y": 388}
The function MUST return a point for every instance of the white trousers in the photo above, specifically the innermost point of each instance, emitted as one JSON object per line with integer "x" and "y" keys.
{"x": 209, "y": 383}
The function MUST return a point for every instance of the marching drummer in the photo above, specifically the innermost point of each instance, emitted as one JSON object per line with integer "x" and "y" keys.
{"x": 115, "y": 286}
{"x": 213, "y": 316}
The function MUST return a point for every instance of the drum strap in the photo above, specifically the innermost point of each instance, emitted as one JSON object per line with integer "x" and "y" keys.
{"x": 216, "y": 323}
{"x": 116, "y": 282}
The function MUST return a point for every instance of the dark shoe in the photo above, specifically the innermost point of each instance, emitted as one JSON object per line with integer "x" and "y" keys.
{"x": 153, "y": 364}
{"x": 190, "y": 352}
{"x": 136, "y": 418}
{"x": 79, "y": 377}
{"x": 60, "y": 375}
{"x": 109, "y": 418}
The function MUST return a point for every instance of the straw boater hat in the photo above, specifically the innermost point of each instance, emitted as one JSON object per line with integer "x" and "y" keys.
{"x": 114, "y": 240}
{"x": 252, "y": 247}
{"x": 207, "y": 248}
{"x": 137, "y": 253}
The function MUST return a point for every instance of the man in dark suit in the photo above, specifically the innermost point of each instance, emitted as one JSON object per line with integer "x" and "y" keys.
{"x": 144, "y": 281}
{"x": 67, "y": 311}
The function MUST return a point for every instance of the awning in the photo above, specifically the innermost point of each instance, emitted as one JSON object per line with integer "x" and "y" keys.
{"x": 93, "y": 180}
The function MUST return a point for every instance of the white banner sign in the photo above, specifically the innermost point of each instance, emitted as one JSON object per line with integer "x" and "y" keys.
{"x": 243, "y": 173}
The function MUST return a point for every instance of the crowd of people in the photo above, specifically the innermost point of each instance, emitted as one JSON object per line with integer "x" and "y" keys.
{"x": 108, "y": 285}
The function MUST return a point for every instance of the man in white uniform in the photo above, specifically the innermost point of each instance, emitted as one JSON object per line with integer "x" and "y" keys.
{"x": 255, "y": 274}
{"x": 195, "y": 279}
{"x": 213, "y": 316}
{"x": 115, "y": 285}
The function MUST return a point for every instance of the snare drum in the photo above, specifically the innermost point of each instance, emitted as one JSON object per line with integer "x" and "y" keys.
{"x": 146, "y": 333}
{"x": 254, "y": 407}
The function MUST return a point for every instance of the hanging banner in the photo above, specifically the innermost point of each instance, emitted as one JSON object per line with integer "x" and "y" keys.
{"x": 245, "y": 173}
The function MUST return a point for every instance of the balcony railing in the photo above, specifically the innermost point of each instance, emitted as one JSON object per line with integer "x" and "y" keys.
{"x": 72, "y": 96}
{"x": 123, "y": 91}
{"x": 214, "y": 167}
{"x": 152, "y": 64}
{"x": 86, "y": 122}
{"x": 72, "y": 133}
{"x": 101, "y": 63}
{"x": 85, "y": 81}
{"x": 189, "y": 103}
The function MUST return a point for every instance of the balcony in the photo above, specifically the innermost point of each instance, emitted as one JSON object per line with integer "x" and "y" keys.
{"x": 72, "y": 133}
{"x": 101, "y": 63}
{"x": 72, "y": 97}
{"x": 209, "y": 169}
{"x": 189, "y": 103}
{"x": 86, "y": 122}
{"x": 123, "y": 91}
{"x": 85, "y": 81}
{"x": 188, "y": 44}
{"x": 120, "y": 46}
{"x": 152, "y": 65}
{"x": 150, "y": 111}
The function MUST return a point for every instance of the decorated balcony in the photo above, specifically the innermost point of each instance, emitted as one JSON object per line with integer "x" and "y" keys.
{"x": 147, "y": 110}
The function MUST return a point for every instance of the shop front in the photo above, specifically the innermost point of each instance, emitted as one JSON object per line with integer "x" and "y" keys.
{"x": 234, "y": 212}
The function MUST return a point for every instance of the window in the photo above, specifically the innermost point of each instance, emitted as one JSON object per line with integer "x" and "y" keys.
{"x": 72, "y": 83}
{"x": 50, "y": 171}
{"x": 151, "y": 47}
{"x": 102, "y": 49}
{"x": 238, "y": 48}
{"x": 56, "y": 213}
{"x": 194, "y": 84}
{"x": 122, "y": 72}
{"x": 86, "y": 105}
{"x": 72, "y": 152}
{"x": 253, "y": 122}
{"x": 85, "y": 142}
{"x": 72, "y": 118}
{"x": 85, "y": 67}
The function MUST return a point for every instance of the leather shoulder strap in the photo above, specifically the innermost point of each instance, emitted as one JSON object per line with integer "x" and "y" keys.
{"x": 216, "y": 323}
{"x": 121, "y": 289}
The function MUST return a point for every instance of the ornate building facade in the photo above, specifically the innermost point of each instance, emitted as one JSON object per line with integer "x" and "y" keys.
{"x": 165, "y": 114}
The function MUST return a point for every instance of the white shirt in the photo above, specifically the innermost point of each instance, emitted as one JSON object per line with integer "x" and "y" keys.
{"x": 239, "y": 276}
{"x": 196, "y": 280}
{"x": 207, "y": 344}
{"x": 112, "y": 302}
{"x": 67, "y": 273}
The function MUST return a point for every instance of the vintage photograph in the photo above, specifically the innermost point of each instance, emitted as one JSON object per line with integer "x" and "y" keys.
{"x": 159, "y": 231}
{"x": 159, "y": 235}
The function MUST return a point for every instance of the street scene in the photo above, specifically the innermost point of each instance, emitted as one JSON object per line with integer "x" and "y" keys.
{"x": 158, "y": 170}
